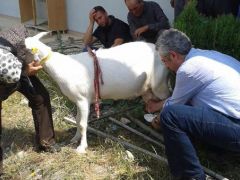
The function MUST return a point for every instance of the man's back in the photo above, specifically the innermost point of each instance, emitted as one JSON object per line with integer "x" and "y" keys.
{"x": 211, "y": 79}
{"x": 153, "y": 16}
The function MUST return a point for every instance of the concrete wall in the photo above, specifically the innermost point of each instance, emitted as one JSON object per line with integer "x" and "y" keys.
{"x": 77, "y": 10}
{"x": 10, "y": 8}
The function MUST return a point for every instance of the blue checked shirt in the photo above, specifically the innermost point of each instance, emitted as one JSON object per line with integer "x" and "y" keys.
{"x": 208, "y": 79}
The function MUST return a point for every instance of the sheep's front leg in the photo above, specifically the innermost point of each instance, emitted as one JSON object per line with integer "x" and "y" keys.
{"x": 82, "y": 120}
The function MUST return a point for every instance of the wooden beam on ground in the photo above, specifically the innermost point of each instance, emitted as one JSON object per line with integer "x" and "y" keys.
{"x": 114, "y": 113}
{"x": 146, "y": 128}
{"x": 126, "y": 144}
{"x": 136, "y": 132}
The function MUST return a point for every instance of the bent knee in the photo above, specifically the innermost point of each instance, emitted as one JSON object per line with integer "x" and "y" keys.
{"x": 168, "y": 116}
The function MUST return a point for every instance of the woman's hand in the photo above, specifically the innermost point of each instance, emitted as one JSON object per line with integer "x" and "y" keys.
{"x": 33, "y": 68}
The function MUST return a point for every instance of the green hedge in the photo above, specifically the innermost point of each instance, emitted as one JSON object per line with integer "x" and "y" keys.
{"x": 221, "y": 34}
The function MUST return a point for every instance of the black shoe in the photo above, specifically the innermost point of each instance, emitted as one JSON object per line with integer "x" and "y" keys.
{"x": 50, "y": 148}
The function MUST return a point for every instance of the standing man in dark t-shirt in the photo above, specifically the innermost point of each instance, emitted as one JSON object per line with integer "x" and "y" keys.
{"x": 146, "y": 20}
{"x": 110, "y": 31}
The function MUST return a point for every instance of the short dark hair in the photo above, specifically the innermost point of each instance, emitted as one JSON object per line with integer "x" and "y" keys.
{"x": 99, "y": 8}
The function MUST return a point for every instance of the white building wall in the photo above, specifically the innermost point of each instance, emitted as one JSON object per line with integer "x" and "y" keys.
{"x": 10, "y": 8}
{"x": 77, "y": 10}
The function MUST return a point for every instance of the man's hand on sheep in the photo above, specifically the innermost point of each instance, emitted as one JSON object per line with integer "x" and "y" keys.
{"x": 154, "y": 105}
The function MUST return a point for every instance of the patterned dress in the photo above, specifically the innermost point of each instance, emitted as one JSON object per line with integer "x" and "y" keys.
{"x": 12, "y": 54}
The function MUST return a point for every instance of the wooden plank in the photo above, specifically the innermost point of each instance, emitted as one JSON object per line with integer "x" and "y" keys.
{"x": 56, "y": 15}
{"x": 26, "y": 10}
{"x": 146, "y": 128}
{"x": 137, "y": 132}
{"x": 34, "y": 12}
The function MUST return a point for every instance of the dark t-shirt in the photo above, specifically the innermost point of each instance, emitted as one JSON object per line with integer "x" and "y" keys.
{"x": 117, "y": 29}
{"x": 153, "y": 16}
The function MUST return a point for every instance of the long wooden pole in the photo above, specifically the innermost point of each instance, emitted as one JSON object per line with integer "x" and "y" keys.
{"x": 136, "y": 132}
{"x": 126, "y": 144}
{"x": 146, "y": 128}
{"x": 114, "y": 113}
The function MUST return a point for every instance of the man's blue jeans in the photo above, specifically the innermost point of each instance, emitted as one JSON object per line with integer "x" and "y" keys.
{"x": 180, "y": 122}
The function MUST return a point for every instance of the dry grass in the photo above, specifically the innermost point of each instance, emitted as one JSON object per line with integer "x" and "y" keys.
{"x": 96, "y": 164}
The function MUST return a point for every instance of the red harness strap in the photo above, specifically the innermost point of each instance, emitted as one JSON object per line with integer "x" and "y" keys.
{"x": 97, "y": 77}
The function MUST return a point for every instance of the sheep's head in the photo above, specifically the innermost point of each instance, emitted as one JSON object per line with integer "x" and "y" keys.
{"x": 37, "y": 48}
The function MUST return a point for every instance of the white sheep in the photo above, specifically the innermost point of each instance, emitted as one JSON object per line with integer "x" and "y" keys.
{"x": 128, "y": 70}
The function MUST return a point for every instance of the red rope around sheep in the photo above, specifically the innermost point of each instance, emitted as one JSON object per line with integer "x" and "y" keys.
{"x": 97, "y": 77}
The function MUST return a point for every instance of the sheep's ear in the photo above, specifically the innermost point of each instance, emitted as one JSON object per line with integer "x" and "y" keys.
{"x": 40, "y": 35}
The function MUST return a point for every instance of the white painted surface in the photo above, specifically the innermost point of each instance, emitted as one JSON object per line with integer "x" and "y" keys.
{"x": 10, "y": 8}
{"x": 77, "y": 10}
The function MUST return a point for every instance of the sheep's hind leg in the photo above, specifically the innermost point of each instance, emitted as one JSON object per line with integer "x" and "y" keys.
{"x": 77, "y": 135}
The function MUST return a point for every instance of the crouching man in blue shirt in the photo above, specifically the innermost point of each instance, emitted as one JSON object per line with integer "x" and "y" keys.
{"x": 205, "y": 103}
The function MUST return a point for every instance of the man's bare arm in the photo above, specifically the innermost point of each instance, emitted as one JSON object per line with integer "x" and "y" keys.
{"x": 88, "y": 37}
{"x": 154, "y": 106}
{"x": 117, "y": 42}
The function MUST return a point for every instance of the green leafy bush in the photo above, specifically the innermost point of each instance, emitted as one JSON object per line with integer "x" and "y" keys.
{"x": 221, "y": 33}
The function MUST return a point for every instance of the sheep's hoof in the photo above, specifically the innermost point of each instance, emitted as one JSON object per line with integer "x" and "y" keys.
{"x": 81, "y": 150}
